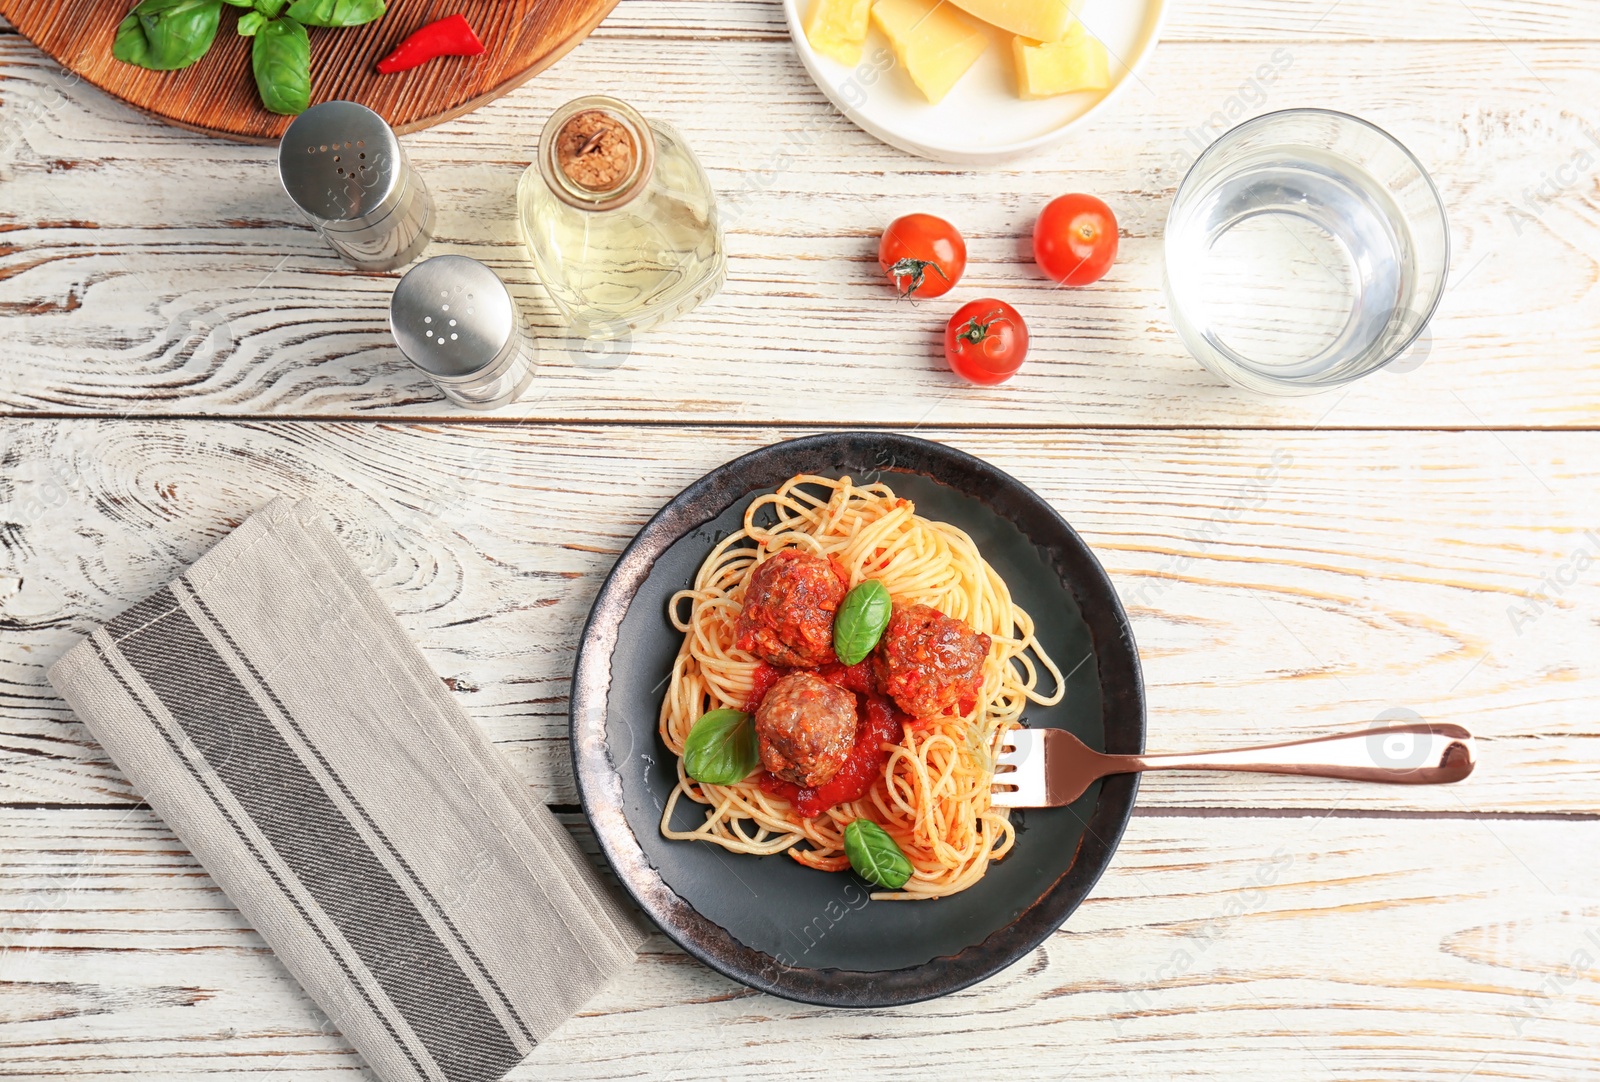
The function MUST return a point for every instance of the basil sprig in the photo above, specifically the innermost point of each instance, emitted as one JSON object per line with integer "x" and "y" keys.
{"x": 721, "y": 749}
{"x": 859, "y": 623}
{"x": 874, "y": 855}
{"x": 280, "y": 56}
{"x": 335, "y": 12}
{"x": 166, "y": 35}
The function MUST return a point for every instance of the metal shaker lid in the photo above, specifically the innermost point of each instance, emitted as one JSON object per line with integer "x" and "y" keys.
{"x": 452, "y": 316}
{"x": 342, "y": 165}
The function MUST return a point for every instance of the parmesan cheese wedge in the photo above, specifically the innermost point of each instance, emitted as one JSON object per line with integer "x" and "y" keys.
{"x": 934, "y": 42}
{"x": 1041, "y": 20}
{"x": 838, "y": 28}
{"x": 1048, "y": 68}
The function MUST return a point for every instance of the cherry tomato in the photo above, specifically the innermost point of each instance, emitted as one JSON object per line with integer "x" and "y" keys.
{"x": 985, "y": 341}
{"x": 923, "y": 256}
{"x": 1075, "y": 239}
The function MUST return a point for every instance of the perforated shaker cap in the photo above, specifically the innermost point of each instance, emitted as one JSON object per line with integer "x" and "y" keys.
{"x": 453, "y": 317}
{"x": 342, "y": 165}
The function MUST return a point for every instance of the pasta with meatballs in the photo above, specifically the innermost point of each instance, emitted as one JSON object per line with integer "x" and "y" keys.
{"x": 905, "y": 737}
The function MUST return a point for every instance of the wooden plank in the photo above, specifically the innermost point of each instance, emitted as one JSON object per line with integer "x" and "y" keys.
{"x": 148, "y": 271}
{"x": 1281, "y": 584}
{"x": 1217, "y": 948}
{"x": 1193, "y": 20}
{"x": 216, "y": 95}
{"x": 1375, "y": 20}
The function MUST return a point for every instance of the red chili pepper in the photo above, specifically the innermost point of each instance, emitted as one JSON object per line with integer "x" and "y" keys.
{"x": 450, "y": 36}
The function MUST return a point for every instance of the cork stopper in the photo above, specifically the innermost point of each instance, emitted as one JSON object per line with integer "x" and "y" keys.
{"x": 596, "y": 151}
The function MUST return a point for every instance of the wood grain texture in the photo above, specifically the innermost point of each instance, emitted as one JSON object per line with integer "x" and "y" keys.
{"x": 1281, "y": 585}
{"x": 217, "y": 96}
{"x": 1289, "y": 949}
{"x": 1192, "y": 20}
{"x": 145, "y": 270}
{"x": 1292, "y": 567}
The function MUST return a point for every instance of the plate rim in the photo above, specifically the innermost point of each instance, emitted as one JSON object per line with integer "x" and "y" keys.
{"x": 600, "y": 789}
{"x": 960, "y": 155}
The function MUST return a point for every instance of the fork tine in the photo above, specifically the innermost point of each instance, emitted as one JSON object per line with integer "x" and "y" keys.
{"x": 1012, "y": 752}
{"x": 1020, "y": 764}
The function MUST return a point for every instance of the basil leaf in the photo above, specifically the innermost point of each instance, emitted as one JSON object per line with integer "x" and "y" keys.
{"x": 281, "y": 59}
{"x": 250, "y": 22}
{"x": 165, "y": 35}
{"x": 271, "y": 8}
{"x": 335, "y": 12}
{"x": 859, "y": 623}
{"x": 874, "y": 856}
{"x": 721, "y": 749}
{"x": 239, "y": 3}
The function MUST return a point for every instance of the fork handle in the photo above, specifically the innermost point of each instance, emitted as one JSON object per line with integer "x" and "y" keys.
{"x": 1418, "y": 753}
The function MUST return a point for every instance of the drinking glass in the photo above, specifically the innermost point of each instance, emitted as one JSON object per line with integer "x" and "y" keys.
{"x": 1305, "y": 249}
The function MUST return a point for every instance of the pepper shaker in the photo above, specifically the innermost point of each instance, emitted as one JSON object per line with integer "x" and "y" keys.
{"x": 344, "y": 168}
{"x": 455, "y": 319}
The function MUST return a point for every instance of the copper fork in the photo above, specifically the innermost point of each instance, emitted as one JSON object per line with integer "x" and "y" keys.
{"x": 1046, "y": 768}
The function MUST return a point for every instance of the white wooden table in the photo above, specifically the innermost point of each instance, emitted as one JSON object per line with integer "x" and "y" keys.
{"x": 176, "y": 348}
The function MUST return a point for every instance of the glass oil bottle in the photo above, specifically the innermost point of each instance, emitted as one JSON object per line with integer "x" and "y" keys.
{"x": 620, "y": 219}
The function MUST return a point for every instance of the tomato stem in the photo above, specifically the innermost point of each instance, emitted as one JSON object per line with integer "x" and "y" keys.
{"x": 916, "y": 270}
{"x": 974, "y": 331}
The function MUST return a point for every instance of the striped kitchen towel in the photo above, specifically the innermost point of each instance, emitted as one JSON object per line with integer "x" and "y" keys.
{"x": 271, "y": 709}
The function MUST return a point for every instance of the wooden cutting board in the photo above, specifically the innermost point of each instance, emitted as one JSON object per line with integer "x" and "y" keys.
{"x": 217, "y": 95}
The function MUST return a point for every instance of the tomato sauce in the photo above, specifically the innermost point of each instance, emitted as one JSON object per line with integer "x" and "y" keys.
{"x": 762, "y": 680}
{"x": 884, "y": 724}
{"x": 858, "y": 678}
{"x": 936, "y": 663}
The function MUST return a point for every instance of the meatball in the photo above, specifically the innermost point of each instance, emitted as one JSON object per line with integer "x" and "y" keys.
{"x": 789, "y": 604}
{"x": 928, "y": 662}
{"x": 805, "y": 728}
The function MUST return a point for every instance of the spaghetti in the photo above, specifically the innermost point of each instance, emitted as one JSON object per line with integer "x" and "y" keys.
{"x": 933, "y": 796}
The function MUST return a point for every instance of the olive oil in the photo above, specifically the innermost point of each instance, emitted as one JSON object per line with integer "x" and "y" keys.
{"x": 620, "y": 219}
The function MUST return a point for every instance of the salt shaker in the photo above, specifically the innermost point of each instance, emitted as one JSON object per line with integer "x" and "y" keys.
{"x": 620, "y": 219}
{"x": 455, "y": 319}
{"x": 344, "y": 168}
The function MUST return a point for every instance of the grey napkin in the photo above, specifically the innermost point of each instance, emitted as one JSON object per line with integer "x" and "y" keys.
{"x": 272, "y": 711}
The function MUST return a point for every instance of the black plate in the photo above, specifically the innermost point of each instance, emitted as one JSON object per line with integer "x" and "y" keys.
{"x": 814, "y": 936}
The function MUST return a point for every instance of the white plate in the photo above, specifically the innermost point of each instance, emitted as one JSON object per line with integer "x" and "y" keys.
{"x": 981, "y": 121}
